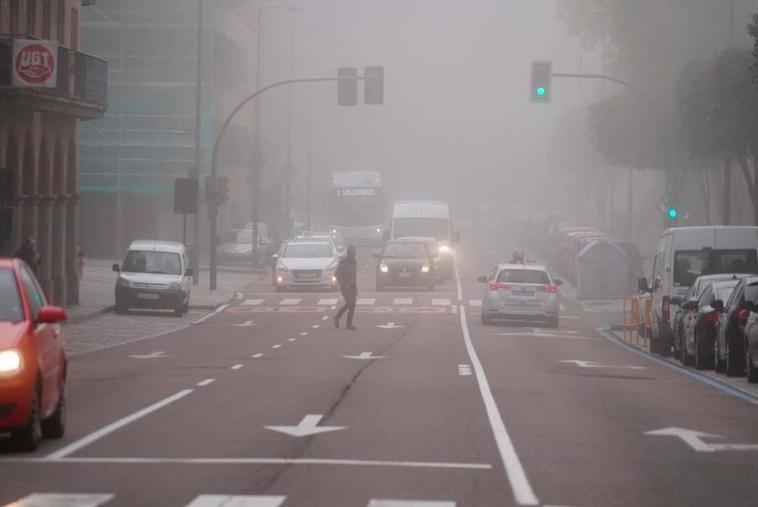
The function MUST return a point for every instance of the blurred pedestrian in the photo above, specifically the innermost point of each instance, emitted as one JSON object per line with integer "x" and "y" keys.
{"x": 347, "y": 277}
{"x": 28, "y": 253}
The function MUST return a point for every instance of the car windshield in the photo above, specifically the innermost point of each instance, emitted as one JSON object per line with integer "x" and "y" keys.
{"x": 724, "y": 291}
{"x": 307, "y": 251}
{"x": 437, "y": 228}
{"x": 148, "y": 261}
{"x": 10, "y": 300}
{"x": 535, "y": 276}
{"x": 690, "y": 264}
{"x": 405, "y": 250}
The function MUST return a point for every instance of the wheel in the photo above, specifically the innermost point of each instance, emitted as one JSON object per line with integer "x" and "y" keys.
{"x": 718, "y": 364}
{"x": 27, "y": 438}
{"x": 178, "y": 312}
{"x": 702, "y": 361}
{"x": 55, "y": 425}
{"x": 486, "y": 320}
{"x": 553, "y": 322}
{"x": 684, "y": 357}
{"x": 751, "y": 372}
{"x": 732, "y": 367}
{"x": 655, "y": 344}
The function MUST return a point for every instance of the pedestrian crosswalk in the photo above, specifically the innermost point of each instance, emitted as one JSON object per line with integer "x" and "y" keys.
{"x": 102, "y": 499}
{"x": 362, "y": 301}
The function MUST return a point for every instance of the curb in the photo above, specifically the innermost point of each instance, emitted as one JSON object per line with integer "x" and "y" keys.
{"x": 722, "y": 384}
{"x": 91, "y": 315}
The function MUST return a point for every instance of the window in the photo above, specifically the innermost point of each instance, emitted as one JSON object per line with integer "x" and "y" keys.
{"x": 707, "y": 296}
{"x": 164, "y": 263}
{"x": 524, "y": 276}
{"x": 33, "y": 292}
{"x": 690, "y": 264}
{"x": 723, "y": 292}
{"x": 10, "y": 301}
{"x": 305, "y": 251}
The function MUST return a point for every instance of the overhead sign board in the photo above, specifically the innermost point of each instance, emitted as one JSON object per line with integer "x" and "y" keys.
{"x": 35, "y": 63}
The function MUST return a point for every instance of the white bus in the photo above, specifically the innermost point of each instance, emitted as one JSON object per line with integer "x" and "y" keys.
{"x": 357, "y": 206}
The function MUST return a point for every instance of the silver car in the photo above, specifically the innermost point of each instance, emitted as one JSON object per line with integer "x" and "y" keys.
{"x": 305, "y": 264}
{"x": 521, "y": 293}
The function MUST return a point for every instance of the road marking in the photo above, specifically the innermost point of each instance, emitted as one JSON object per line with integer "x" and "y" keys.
{"x": 253, "y": 461}
{"x": 236, "y": 366}
{"x": 592, "y": 364}
{"x": 307, "y": 427}
{"x": 440, "y": 302}
{"x": 291, "y": 339}
{"x": 409, "y": 503}
{"x": 257, "y": 356}
{"x": 61, "y": 500}
{"x": 389, "y": 325}
{"x": 315, "y": 326}
{"x": 454, "y": 309}
{"x": 572, "y": 317}
{"x": 205, "y": 382}
{"x": 364, "y": 356}
{"x": 325, "y": 317}
{"x": 304, "y": 333}
{"x": 153, "y": 355}
{"x": 239, "y": 295}
{"x": 290, "y": 301}
{"x": 107, "y": 430}
{"x": 237, "y": 501}
{"x": 248, "y": 323}
{"x": 694, "y": 439}
{"x": 547, "y": 335}
{"x": 277, "y": 346}
{"x": 522, "y": 490}
{"x": 540, "y": 330}
{"x": 464, "y": 370}
{"x": 198, "y": 321}
{"x": 365, "y": 301}
{"x": 402, "y": 301}
{"x": 252, "y": 302}
{"x": 475, "y": 302}
{"x": 328, "y": 301}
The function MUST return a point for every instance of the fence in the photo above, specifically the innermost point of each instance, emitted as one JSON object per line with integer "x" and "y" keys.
{"x": 636, "y": 328}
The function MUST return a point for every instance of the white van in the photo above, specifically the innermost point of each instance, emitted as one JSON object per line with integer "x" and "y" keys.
{"x": 685, "y": 253}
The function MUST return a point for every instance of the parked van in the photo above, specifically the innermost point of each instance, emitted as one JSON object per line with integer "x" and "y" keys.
{"x": 154, "y": 274}
{"x": 685, "y": 253}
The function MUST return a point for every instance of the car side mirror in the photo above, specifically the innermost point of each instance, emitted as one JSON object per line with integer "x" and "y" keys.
{"x": 116, "y": 268}
{"x": 642, "y": 284}
{"x": 558, "y": 282}
{"x": 482, "y": 279}
{"x": 676, "y": 301}
{"x": 51, "y": 315}
{"x": 718, "y": 305}
{"x": 189, "y": 272}
{"x": 456, "y": 237}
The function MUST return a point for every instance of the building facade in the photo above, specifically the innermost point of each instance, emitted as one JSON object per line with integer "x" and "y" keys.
{"x": 39, "y": 132}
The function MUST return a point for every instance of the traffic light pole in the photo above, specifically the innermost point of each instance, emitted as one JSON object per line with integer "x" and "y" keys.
{"x": 213, "y": 205}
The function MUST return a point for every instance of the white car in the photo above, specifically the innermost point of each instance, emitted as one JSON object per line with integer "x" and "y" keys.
{"x": 306, "y": 264}
{"x": 520, "y": 292}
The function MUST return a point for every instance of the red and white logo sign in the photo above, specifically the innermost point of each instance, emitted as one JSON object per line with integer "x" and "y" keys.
{"x": 35, "y": 63}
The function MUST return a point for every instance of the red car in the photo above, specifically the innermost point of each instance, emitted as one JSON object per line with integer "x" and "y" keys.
{"x": 32, "y": 359}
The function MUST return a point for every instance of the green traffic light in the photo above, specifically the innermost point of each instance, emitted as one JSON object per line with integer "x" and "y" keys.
{"x": 673, "y": 213}
{"x": 540, "y": 91}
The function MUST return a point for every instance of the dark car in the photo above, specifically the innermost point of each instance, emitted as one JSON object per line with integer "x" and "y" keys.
{"x": 751, "y": 343}
{"x": 699, "y": 332}
{"x": 682, "y": 315}
{"x": 405, "y": 263}
{"x": 729, "y": 346}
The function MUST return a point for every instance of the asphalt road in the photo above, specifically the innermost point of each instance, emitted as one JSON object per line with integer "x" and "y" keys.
{"x": 266, "y": 400}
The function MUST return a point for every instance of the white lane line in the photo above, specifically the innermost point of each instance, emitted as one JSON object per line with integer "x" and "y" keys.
{"x": 236, "y": 366}
{"x": 454, "y": 309}
{"x": 522, "y": 490}
{"x": 205, "y": 382}
{"x": 237, "y": 501}
{"x": 290, "y": 301}
{"x": 239, "y": 295}
{"x": 403, "y": 301}
{"x": 304, "y": 333}
{"x": 325, "y": 317}
{"x": 256, "y": 461}
{"x": 252, "y": 302}
{"x": 291, "y": 339}
{"x": 316, "y": 326}
{"x": 464, "y": 370}
{"x": 277, "y": 346}
{"x": 365, "y": 301}
{"x": 198, "y": 321}
{"x": 475, "y": 302}
{"x": 257, "y": 356}
{"x": 409, "y": 503}
{"x": 102, "y": 432}
{"x": 573, "y": 317}
{"x": 61, "y": 500}
{"x": 327, "y": 301}
{"x": 440, "y": 302}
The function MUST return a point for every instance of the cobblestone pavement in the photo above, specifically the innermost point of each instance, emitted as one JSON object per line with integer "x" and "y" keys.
{"x": 110, "y": 329}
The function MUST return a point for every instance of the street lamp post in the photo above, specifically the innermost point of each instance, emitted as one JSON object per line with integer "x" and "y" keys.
{"x": 195, "y": 170}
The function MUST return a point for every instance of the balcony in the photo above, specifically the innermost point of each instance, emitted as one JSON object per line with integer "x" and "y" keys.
{"x": 81, "y": 88}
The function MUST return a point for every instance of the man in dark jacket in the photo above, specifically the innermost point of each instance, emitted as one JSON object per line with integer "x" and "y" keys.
{"x": 28, "y": 253}
{"x": 346, "y": 276}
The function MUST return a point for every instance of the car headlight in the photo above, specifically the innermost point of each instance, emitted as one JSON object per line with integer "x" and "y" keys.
{"x": 379, "y": 230}
{"x": 122, "y": 283}
{"x": 425, "y": 268}
{"x": 444, "y": 249}
{"x": 10, "y": 361}
{"x": 384, "y": 268}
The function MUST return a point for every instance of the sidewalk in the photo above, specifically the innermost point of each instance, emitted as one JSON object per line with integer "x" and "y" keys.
{"x": 96, "y": 292}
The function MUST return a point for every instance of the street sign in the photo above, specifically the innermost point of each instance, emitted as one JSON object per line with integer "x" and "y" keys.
{"x": 186, "y": 191}
{"x": 541, "y": 82}
{"x": 35, "y": 64}
{"x": 347, "y": 86}
{"x": 373, "y": 85}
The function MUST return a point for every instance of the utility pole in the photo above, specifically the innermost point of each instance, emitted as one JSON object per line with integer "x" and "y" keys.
{"x": 195, "y": 171}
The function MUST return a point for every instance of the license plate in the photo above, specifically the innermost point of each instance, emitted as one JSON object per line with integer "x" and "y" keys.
{"x": 148, "y": 296}
{"x": 523, "y": 293}
{"x": 404, "y": 275}
{"x": 308, "y": 277}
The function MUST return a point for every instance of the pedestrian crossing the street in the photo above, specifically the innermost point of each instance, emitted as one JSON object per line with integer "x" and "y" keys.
{"x": 102, "y": 499}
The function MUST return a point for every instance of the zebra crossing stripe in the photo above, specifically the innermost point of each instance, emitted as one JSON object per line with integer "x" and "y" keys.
{"x": 290, "y": 301}
{"x": 408, "y": 503}
{"x": 237, "y": 501}
{"x": 440, "y": 302}
{"x": 327, "y": 301}
{"x": 403, "y": 301}
{"x": 252, "y": 302}
{"x": 366, "y": 301}
{"x": 62, "y": 500}
{"x": 475, "y": 302}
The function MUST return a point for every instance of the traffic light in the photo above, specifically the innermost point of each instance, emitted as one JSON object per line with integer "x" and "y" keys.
{"x": 542, "y": 77}
{"x": 673, "y": 213}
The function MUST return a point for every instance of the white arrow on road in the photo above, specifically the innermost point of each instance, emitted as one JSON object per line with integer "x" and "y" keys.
{"x": 592, "y": 364}
{"x": 248, "y": 323}
{"x": 694, "y": 439}
{"x": 307, "y": 427}
{"x": 154, "y": 355}
{"x": 365, "y": 356}
{"x": 389, "y": 325}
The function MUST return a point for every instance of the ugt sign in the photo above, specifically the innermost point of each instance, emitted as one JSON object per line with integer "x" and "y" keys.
{"x": 35, "y": 63}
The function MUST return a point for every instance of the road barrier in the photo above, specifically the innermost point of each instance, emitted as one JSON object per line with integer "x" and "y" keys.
{"x": 636, "y": 328}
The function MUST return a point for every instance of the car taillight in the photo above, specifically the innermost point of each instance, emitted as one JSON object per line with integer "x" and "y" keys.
{"x": 552, "y": 289}
{"x": 496, "y": 286}
{"x": 743, "y": 315}
{"x": 712, "y": 317}
{"x": 665, "y": 309}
